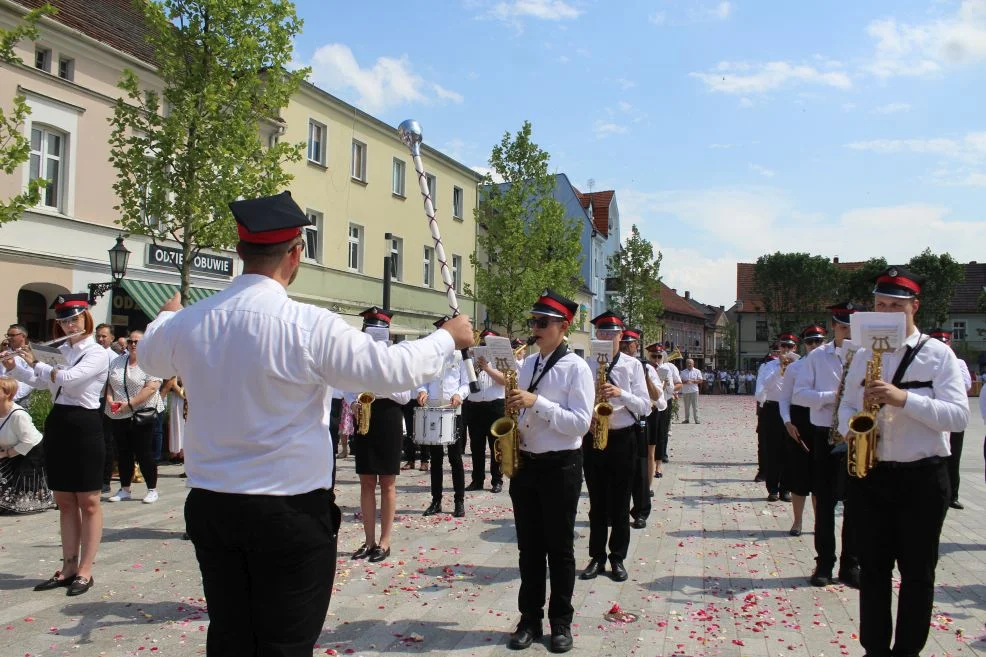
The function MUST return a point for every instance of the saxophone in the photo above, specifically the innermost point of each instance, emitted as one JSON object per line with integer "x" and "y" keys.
{"x": 864, "y": 434}
{"x": 505, "y": 430}
{"x": 603, "y": 409}
{"x": 834, "y": 436}
{"x": 364, "y": 401}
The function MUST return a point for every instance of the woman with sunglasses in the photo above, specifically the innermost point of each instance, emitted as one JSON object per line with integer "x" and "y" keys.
{"x": 130, "y": 390}
{"x": 73, "y": 438}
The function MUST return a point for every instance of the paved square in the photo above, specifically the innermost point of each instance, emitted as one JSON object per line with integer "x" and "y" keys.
{"x": 714, "y": 573}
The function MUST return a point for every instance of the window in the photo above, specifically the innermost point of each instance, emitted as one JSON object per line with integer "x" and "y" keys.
{"x": 762, "y": 335}
{"x": 432, "y": 189}
{"x": 312, "y": 251}
{"x": 429, "y": 266}
{"x": 316, "y": 142}
{"x": 397, "y": 186}
{"x": 359, "y": 161}
{"x": 456, "y": 268}
{"x": 396, "y": 258}
{"x": 457, "y": 202}
{"x": 355, "y": 247}
{"x": 42, "y": 59}
{"x": 958, "y": 330}
{"x": 47, "y": 154}
{"x": 66, "y": 68}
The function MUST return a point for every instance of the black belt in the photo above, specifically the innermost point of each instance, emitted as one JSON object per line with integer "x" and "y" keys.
{"x": 914, "y": 385}
{"x": 769, "y": 403}
{"x": 558, "y": 455}
{"x": 385, "y": 402}
{"x": 909, "y": 465}
{"x": 491, "y": 401}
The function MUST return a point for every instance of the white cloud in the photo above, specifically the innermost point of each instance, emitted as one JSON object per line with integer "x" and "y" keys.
{"x": 925, "y": 49}
{"x": 658, "y": 18}
{"x": 497, "y": 178}
{"x": 722, "y": 10}
{"x": 390, "y": 82}
{"x": 743, "y": 78}
{"x": 892, "y": 108}
{"x": 625, "y": 106}
{"x": 763, "y": 171}
{"x": 745, "y": 102}
{"x": 563, "y": 59}
{"x": 606, "y": 128}
{"x": 625, "y": 84}
{"x": 549, "y": 10}
{"x": 970, "y": 148}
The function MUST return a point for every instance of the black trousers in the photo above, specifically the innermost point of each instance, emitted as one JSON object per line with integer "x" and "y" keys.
{"x": 455, "y": 463}
{"x": 663, "y": 431}
{"x": 545, "y": 494}
{"x": 955, "y": 441}
{"x": 640, "y": 506}
{"x": 110, "y": 440}
{"x": 774, "y": 436}
{"x": 268, "y": 565}
{"x": 760, "y": 443}
{"x": 828, "y": 485}
{"x": 133, "y": 442}
{"x": 335, "y": 416}
{"x": 412, "y": 451}
{"x": 479, "y": 416}
{"x": 608, "y": 476}
{"x": 900, "y": 513}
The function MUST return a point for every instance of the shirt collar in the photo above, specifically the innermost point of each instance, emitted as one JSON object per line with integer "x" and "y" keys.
{"x": 259, "y": 280}
{"x": 912, "y": 339}
{"x": 81, "y": 345}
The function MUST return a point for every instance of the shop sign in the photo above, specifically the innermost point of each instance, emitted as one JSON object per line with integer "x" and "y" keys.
{"x": 165, "y": 257}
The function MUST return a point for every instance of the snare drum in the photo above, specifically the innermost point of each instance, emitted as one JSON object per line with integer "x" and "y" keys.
{"x": 434, "y": 425}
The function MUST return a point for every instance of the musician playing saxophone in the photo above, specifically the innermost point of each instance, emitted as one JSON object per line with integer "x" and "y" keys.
{"x": 554, "y": 396}
{"x": 901, "y": 503}
{"x": 609, "y": 471}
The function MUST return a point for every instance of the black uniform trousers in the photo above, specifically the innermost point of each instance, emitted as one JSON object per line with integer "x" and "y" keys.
{"x": 900, "y": 512}
{"x": 663, "y": 431}
{"x": 545, "y": 494}
{"x": 760, "y": 443}
{"x": 335, "y": 417}
{"x": 955, "y": 441}
{"x": 455, "y": 463}
{"x": 829, "y": 476}
{"x": 608, "y": 476}
{"x": 268, "y": 565}
{"x": 479, "y": 417}
{"x": 412, "y": 451}
{"x": 640, "y": 488}
{"x": 774, "y": 437}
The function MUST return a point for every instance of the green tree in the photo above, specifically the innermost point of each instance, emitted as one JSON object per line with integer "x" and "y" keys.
{"x": 795, "y": 288}
{"x": 526, "y": 242}
{"x": 181, "y": 155}
{"x": 635, "y": 277}
{"x": 857, "y": 285}
{"x": 15, "y": 147}
{"x": 943, "y": 274}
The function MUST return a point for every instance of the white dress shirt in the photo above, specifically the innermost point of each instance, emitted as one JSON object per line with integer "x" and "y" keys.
{"x": 627, "y": 375}
{"x": 671, "y": 376}
{"x": 691, "y": 379}
{"x": 817, "y": 383}
{"x": 563, "y": 409}
{"x": 23, "y": 389}
{"x": 489, "y": 390}
{"x": 81, "y": 380}
{"x": 769, "y": 381}
{"x": 920, "y": 429}
{"x": 661, "y": 403}
{"x": 966, "y": 377}
{"x": 982, "y": 404}
{"x": 787, "y": 389}
{"x": 453, "y": 380}
{"x": 259, "y": 368}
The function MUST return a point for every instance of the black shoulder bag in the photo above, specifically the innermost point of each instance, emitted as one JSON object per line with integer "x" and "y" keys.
{"x": 144, "y": 416}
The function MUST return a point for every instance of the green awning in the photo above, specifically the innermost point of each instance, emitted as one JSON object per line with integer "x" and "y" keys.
{"x": 151, "y": 296}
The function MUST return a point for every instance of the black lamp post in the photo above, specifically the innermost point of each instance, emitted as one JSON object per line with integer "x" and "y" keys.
{"x": 119, "y": 256}
{"x": 387, "y": 271}
{"x": 487, "y": 324}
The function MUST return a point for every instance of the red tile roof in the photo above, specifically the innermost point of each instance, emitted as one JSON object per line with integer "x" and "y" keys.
{"x": 677, "y": 304}
{"x": 600, "y": 207}
{"x": 117, "y": 23}
{"x": 966, "y": 297}
{"x": 745, "y": 291}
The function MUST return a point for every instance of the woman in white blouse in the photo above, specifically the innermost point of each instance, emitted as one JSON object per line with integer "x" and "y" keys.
{"x": 23, "y": 485}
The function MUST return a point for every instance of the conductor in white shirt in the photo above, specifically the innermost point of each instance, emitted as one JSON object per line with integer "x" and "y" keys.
{"x": 262, "y": 368}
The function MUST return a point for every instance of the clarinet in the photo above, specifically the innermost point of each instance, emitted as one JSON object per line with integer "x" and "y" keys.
{"x": 834, "y": 436}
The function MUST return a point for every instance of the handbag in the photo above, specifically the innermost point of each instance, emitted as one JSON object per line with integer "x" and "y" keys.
{"x": 140, "y": 417}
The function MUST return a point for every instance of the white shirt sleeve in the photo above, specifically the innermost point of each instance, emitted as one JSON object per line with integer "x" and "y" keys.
{"x": 787, "y": 391}
{"x": 805, "y": 393}
{"x": 948, "y": 410}
{"x": 27, "y": 434}
{"x": 637, "y": 399}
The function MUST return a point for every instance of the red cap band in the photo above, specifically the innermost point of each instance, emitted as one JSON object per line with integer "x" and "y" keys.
{"x": 548, "y": 301}
{"x": 75, "y": 303}
{"x": 901, "y": 282}
{"x": 267, "y": 237}
{"x": 382, "y": 318}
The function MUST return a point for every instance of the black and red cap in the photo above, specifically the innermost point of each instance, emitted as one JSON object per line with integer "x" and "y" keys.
{"x": 374, "y": 316}
{"x": 775, "y": 346}
{"x": 813, "y": 331}
{"x": 488, "y": 332}
{"x": 516, "y": 343}
{"x": 440, "y": 322}
{"x": 789, "y": 339}
{"x": 656, "y": 348}
{"x": 268, "y": 219}
{"x": 842, "y": 311}
{"x": 631, "y": 335}
{"x": 67, "y": 306}
{"x": 898, "y": 282}
{"x": 552, "y": 304}
{"x": 608, "y": 321}
{"x": 941, "y": 334}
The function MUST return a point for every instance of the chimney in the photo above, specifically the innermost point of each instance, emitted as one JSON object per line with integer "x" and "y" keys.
{"x": 835, "y": 260}
{"x": 674, "y": 290}
{"x": 973, "y": 262}
{"x": 722, "y": 308}
{"x": 688, "y": 295}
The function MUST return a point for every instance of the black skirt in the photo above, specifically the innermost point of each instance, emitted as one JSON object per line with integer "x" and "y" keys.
{"x": 797, "y": 474}
{"x": 74, "y": 449}
{"x": 379, "y": 451}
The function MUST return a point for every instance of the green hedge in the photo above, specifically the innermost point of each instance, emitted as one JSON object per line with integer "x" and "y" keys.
{"x": 39, "y": 405}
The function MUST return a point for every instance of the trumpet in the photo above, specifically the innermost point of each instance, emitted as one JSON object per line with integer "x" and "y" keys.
{"x": 364, "y": 406}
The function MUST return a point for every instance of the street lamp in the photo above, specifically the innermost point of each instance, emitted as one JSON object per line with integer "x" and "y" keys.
{"x": 739, "y": 334}
{"x": 119, "y": 256}
{"x": 487, "y": 324}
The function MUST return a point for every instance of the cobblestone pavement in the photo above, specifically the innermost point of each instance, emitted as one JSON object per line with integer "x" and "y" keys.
{"x": 714, "y": 573}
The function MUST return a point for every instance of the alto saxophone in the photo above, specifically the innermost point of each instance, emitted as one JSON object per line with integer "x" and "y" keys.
{"x": 864, "y": 433}
{"x": 603, "y": 409}
{"x": 506, "y": 430}
{"x": 363, "y": 408}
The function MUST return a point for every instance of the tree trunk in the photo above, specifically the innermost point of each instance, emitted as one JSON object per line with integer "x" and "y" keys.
{"x": 186, "y": 265}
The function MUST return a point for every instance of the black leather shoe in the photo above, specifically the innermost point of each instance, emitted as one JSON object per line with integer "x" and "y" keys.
{"x": 758, "y": 478}
{"x": 665, "y": 459}
{"x": 772, "y": 497}
{"x": 433, "y": 508}
{"x": 639, "y": 523}
{"x": 617, "y": 572}
{"x": 785, "y": 496}
{"x": 497, "y": 487}
{"x": 955, "y": 504}
{"x": 525, "y": 634}
{"x": 363, "y": 551}
{"x": 595, "y": 567}
{"x": 561, "y": 638}
{"x": 474, "y": 486}
{"x": 849, "y": 576}
{"x": 54, "y": 582}
{"x": 460, "y": 510}
{"x": 821, "y": 576}
{"x": 80, "y": 585}
{"x": 377, "y": 553}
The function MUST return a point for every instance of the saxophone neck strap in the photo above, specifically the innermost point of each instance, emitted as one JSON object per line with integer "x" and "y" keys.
{"x": 906, "y": 361}
{"x": 555, "y": 356}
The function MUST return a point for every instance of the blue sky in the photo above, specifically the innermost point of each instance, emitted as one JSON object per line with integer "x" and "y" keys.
{"x": 728, "y": 129}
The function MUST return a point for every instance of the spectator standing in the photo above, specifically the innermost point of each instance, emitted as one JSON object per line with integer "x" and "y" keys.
{"x": 23, "y": 485}
{"x": 691, "y": 379}
{"x": 17, "y": 339}
{"x": 105, "y": 338}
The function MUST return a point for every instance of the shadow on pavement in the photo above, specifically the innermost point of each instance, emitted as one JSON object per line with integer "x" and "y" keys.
{"x": 732, "y": 587}
{"x": 139, "y": 533}
{"x": 407, "y": 636}
{"x": 99, "y": 614}
{"x": 10, "y": 582}
{"x": 731, "y": 533}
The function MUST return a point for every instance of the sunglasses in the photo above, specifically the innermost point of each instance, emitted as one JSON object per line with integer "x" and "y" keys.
{"x": 541, "y": 322}
{"x": 132, "y": 341}
{"x": 814, "y": 340}
{"x": 13, "y": 335}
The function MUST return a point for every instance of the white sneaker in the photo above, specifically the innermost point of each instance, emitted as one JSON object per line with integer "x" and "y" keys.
{"x": 121, "y": 495}
{"x": 151, "y": 496}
